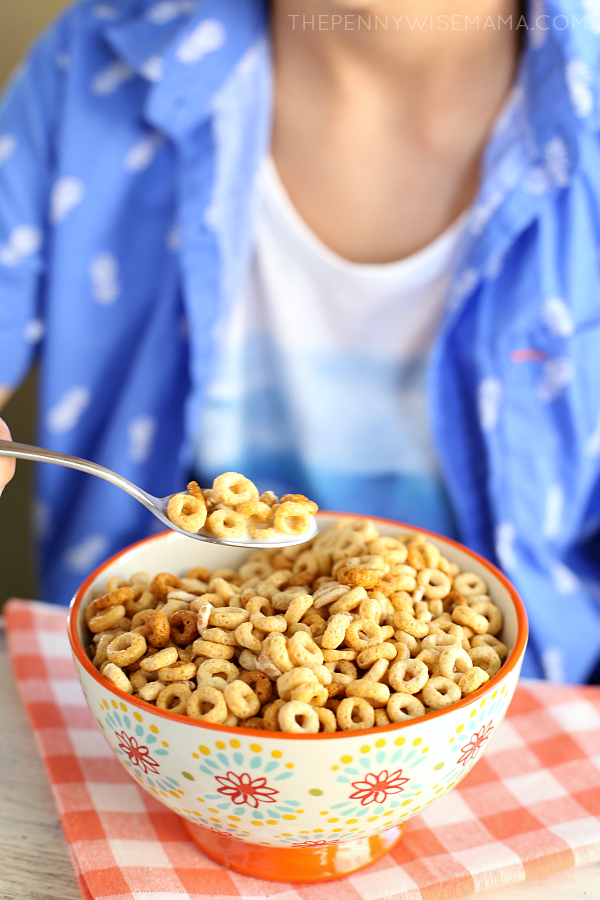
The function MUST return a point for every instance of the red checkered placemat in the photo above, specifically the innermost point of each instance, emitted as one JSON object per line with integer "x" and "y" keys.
{"x": 530, "y": 807}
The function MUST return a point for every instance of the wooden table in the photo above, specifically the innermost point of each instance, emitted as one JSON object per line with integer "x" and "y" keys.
{"x": 34, "y": 860}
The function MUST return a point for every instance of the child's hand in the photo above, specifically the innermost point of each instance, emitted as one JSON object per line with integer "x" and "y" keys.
{"x": 7, "y": 465}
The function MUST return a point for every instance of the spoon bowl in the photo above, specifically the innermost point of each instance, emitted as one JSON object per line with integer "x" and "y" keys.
{"x": 156, "y": 505}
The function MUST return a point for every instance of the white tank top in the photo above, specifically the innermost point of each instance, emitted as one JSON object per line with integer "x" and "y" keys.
{"x": 320, "y": 384}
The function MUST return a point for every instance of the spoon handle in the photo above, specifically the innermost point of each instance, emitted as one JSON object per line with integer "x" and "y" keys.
{"x": 25, "y": 451}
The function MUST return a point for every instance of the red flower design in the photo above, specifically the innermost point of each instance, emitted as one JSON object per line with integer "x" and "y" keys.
{"x": 241, "y": 789}
{"x": 138, "y": 756}
{"x": 375, "y": 788}
{"x": 315, "y": 843}
{"x": 472, "y": 748}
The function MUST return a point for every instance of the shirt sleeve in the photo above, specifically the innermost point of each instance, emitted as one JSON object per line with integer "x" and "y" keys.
{"x": 28, "y": 117}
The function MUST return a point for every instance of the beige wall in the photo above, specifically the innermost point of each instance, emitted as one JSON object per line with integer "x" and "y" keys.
{"x": 20, "y": 21}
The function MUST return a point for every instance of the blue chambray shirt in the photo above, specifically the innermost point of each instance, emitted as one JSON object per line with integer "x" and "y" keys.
{"x": 130, "y": 143}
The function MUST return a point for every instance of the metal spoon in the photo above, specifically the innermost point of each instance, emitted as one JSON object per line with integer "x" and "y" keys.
{"x": 156, "y": 505}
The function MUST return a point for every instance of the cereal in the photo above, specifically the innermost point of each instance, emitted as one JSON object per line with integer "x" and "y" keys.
{"x": 232, "y": 509}
{"x": 187, "y": 512}
{"x": 348, "y": 631}
{"x": 298, "y": 717}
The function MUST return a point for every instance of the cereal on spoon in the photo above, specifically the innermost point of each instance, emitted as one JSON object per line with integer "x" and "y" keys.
{"x": 233, "y": 507}
{"x": 347, "y": 631}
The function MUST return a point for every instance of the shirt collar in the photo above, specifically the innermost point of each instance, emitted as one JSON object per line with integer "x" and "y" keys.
{"x": 188, "y": 48}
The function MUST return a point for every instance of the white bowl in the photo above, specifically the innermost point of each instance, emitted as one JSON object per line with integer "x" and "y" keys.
{"x": 285, "y": 806}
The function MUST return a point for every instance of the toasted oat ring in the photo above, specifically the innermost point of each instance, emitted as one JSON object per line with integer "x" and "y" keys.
{"x": 381, "y": 546}
{"x": 194, "y": 490}
{"x": 429, "y": 656}
{"x": 226, "y": 523}
{"x": 159, "y": 660}
{"x": 487, "y": 639}
{"x": 158, "y": 629}
{"x": 254, "y": 511}
{"x": 402, "y": 706}
{"x": 292, "y": 518}
{"x": 300, "y": 498}
{"x": 440, "y": 692}
{"x": 355, "y": 713}
{"x": 382, "y": 718}
{"x": 453, "y": 658}
{"x": 347, "y": 671}
{"x": 337, "y": 626}
{"x": 120, "y": 595}
{"x": 118, "y": 677}
{"x": 276, "y": 646}
{"x": 406, "y": 622}
{"x": 356, "y": 577}
{"x": 302, "y": 650}
{"x": 145, "y": 601}
{"x": 467, "y": 583}
{"x": 491, "y": 612}
{"x": 269, "y": 623}
{"x": 298, "y": 607}
{"x": 163, "y": 583}
{"x": 271, "y": 715}
{"x": 212, "y": 650}
{"x": 464, "y": 615}
{"x": 228, "y": 617}
{"x": 245, "y": 637}
{"x": 207, "y": 696}
{"x": 454, "y": 599}
{"x": 241, "y": 699}
{"x": 377, "y": 670}
{"x": 265, "y": 664}
{"x": 234, "y": 489}
{"x": 218, "y": 667}
{"x": 219, "y": 636}
{"x": 330, "y": 593}
{"x": 436, "y": 584}
{"x": 149, "y": 692}
{"x": 417, "y": 673}
{"x": 106, "y": 620}
{"x": 260, "y": 684}
{"x": 187, "y": 512}
{"x": 311, "y": 692}
{"x": 370, "y": 608}
{"x": 183, "y": 627}
{"x": 295, "y": 710}
{"x": 439, "y": 639}
{"x": 200, "y": 573}
{"x": 126, "y": 649}
{"x": 327, "y": 719}
{"x": 291, "y": 679}
{"x": 371, "y": 631}
{"x": 349, "y": 601}
{"x": 169, "y": 693}
{"x": 369, "y": 656}
{"x": 252, "y": 722}
{"x": 336, "y": 690}
{"x": 184, "y": 672}
{"x": 472, "y": 680}
{"x": 487, "y": 659}
{"x": 373, "y": 692}
{"x": 335, "y": 655}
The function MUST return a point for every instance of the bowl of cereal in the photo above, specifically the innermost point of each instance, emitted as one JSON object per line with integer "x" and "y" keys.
{"x": 298, "y": 707}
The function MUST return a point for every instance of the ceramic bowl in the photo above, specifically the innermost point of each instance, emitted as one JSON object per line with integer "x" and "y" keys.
{"x": 285, "y": 806}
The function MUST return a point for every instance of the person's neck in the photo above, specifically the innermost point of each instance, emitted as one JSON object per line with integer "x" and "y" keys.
{"x": 443, "y": 48}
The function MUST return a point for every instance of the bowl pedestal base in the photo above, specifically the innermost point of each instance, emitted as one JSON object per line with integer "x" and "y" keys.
{"x": 322, "y": 862}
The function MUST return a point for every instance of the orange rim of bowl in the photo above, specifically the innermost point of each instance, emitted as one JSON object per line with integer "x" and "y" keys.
{"x": 514, "y": 658}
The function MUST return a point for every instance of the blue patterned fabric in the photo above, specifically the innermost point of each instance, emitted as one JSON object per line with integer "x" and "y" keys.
{"x": 129, "y": 147}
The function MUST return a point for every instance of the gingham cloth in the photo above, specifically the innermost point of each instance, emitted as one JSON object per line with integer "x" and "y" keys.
{"x": 530, "y": 807}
